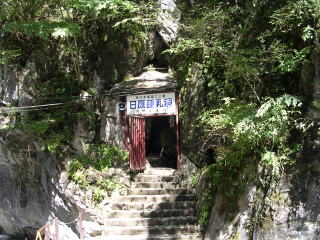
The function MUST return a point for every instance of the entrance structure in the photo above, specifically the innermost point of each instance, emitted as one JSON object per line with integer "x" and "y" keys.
{"x": 148, "y": 107}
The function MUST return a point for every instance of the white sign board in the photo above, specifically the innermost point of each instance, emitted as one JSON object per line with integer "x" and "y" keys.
{"x": 156, "y": 103}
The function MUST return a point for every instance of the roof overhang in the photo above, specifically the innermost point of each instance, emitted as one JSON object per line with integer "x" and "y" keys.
{"x": 152, "y": 80}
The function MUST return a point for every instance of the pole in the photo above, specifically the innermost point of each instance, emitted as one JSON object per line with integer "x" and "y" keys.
{"x": 177, "y": 131}
{"x": 56, "y": 225}
{"x": 80, "y": 225}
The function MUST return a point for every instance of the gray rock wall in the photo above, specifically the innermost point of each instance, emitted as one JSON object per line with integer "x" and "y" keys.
{"x": 168, "y": 20}
{"x": 18, "y": 85}
{"x": 191, "y": 95}
{"x": 30, "y": 193}
{"x": 290, "y": 212}
{"x": 112, "y": 130}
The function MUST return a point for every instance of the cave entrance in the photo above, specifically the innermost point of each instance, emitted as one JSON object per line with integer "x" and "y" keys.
{"x": 152, "y": 130}
{"x": 148, "y": 106}
{"x": 153, "y": 141}
{"x": 161, "y": 141}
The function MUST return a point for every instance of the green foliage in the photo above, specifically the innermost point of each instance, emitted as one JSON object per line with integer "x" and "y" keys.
{"x": 47, "y": 124}
{"x": 55, "y": 140}
{"x": 110, "y": 156}
{"x": 252, "y": 143}
{"x": 248, "y": 57}
{"x": 80, "y": 178}
{"x": 206, "y": 207}
{"x": 107, "y": 8}
{"x": 316, "y": 105}
{"x": 98, "y": 194}
{"x": 252, "y": 137}
{"x": 99, "y": 157}
{"x": 286, "y": 59}
{"x": 59, "y": 28}
{"x": 44, "y": 29}
{"x": 98, "y": 160}
{"x": 36, "y": 127}
{"x": 206, "y": 201}
{"x": 7, "y": 55}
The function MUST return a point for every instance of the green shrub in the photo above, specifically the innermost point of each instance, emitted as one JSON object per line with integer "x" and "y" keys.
{"x": 98, "y": 159}
{"x": 246, "y": 139}
{"x": 55, "y": 140}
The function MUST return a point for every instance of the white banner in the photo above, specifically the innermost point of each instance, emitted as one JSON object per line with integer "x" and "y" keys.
{"x": 146, "y": 104}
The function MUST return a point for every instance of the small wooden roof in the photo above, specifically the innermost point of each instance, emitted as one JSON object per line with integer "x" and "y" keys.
{"x": 152, "y": 80}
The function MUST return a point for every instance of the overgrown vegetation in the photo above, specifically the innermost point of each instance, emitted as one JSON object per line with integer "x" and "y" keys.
{"x": 90, "y": 171}
{"x": 59, "y": 29}
{"x": 49, "y": 125}
{"x": 249, "y": 58}
{"x": 60, "y": 38}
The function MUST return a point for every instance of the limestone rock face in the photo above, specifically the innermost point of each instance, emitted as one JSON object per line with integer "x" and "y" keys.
{"x": 191, "y": 99}
{"x": 31, "y": 193}
{"x": 168, "y": 20}
{"x": 112, "y": 131}
{"x": 293, "y": 213}
{"x": 18, "y": 86}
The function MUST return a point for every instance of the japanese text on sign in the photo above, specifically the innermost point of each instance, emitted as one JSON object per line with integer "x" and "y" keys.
{"x": 158, "y": 103}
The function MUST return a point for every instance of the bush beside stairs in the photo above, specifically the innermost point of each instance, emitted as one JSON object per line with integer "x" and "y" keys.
{"x": 156, "y": 208}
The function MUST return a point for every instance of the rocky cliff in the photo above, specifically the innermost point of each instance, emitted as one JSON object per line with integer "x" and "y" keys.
{"x": 32, "y": 185}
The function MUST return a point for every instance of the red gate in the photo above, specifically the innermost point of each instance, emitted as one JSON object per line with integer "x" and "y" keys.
{"x": 137, "y": 143}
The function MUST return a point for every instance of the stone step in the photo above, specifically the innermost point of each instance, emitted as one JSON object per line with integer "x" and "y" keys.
{"x": 150, "y": 221}
{"x": 149, "y": 237}
{"x": 135, "y": 230}
{"x": 150, "y": 213}
{"x": 157, "y": 208}
{"x": 153, "y": 178}
{"x": 159, "y": 191}
{"x": 157, "y": 198}
{"x": 160, "y": 171}
{"x": 152, "y": 205}
{"x": 155, "y": 185}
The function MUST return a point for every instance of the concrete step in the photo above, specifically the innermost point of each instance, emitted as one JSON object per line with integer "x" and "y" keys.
{"x": 135, "y": 230}
{"x": 155, "y": 185}
{"x": 160, "y": 171}
{"x": 153, "y": 178}
{"x": 153, "y": 205}
{"x": 159, "y": 191}
{"x": 150, "y": 213}
{"x": 157, "y": 208}
{"x": 157, "y": 198}
{"x": 150, "y": 221}
{"x": 149, "y": 237}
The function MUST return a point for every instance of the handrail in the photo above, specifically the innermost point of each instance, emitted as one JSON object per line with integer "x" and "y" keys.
{"x": 45, "y": 231}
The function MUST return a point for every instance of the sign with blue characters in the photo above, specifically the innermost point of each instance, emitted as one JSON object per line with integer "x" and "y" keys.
{"x": 147, "y": 104}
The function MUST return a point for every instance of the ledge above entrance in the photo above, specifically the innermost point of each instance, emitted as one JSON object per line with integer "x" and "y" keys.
{"x": 152, "y": 80}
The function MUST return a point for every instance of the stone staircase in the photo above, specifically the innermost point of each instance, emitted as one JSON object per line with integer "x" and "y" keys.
{"x": 156, "y": 208}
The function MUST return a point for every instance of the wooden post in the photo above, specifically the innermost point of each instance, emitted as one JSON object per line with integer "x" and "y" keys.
{"x": 80, "y": 225}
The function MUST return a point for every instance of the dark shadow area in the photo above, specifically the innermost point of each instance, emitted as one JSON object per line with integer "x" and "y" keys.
{"x": 161, "y": 141}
